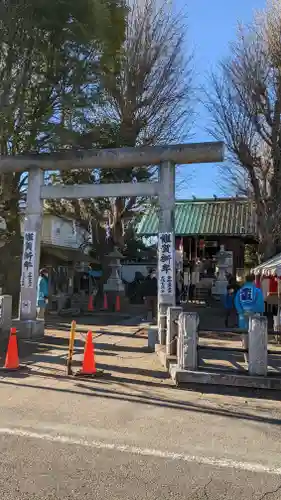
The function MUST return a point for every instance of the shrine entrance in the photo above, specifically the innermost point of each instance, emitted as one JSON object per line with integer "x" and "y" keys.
{"x": 164, "y": 189}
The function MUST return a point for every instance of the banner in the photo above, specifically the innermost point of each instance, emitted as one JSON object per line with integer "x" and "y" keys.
{"x": 166, "y": 272}
{"x": 28, "y": 260}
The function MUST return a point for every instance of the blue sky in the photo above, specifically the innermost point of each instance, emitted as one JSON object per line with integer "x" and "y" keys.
{"x": 212, "y": 26}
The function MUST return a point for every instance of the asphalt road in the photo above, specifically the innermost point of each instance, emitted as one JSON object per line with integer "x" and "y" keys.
{"x": 73, "y": 439}
{"x": 34, "y": 469}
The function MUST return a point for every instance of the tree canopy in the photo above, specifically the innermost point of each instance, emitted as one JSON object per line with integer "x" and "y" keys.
{"x": 88, "y": 74}
{"x": 51, "y": 57}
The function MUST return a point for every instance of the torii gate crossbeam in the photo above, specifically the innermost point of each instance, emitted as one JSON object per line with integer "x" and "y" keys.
{"x": 164, "y": 156}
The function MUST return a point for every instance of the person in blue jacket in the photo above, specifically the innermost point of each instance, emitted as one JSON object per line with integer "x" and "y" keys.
{"x": 42, "y": 293}
{"x": 248, "y": 301}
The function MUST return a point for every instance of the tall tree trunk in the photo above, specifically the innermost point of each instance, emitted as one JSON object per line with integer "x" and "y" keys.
{"x": 118, "y": 223}
{"x": 10, "y": 263}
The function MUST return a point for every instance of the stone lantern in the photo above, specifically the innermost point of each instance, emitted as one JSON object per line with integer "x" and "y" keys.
{"x": 114, "y": 285}
{"x": 224, "y": 264}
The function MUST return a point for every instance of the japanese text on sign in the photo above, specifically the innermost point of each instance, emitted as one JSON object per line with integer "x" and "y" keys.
{"x": 166, "y": 263}
{"x": 28, "y": 260}
{"x": 246, "y": 295}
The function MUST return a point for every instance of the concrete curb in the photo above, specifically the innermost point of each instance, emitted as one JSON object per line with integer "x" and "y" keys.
{"x": 182, "y": 377}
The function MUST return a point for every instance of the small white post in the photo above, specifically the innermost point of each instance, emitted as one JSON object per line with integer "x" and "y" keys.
{"x": 172, "y": 329}
{"x": 258, "y": 339}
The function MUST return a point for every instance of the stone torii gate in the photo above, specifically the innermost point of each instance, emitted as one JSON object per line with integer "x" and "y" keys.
{"x": 35, "y": 164}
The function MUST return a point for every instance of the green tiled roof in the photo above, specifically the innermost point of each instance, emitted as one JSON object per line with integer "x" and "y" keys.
{"x": 226, "y": 216}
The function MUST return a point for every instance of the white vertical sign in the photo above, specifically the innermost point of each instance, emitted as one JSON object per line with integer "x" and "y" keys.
{"x": 166, "y": 278}
{"x": 28, "y": 260}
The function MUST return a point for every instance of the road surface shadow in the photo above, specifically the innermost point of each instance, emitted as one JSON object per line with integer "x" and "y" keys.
{"x": 119, "y": 348}
{"x": 26, "y": 349}
{"x": 141, "y": 333}
{"x": 31, "y": 351}
{"x": 103, "y": 319}
{"x": 93, "y": 391}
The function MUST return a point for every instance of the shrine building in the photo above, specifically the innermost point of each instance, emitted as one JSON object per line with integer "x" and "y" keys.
{"x": 203, "y": 225}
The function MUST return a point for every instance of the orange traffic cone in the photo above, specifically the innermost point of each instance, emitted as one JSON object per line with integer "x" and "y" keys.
{"x": 105, "y": 303}
{"x": 12, "y": 356}
{"x": 89, "y": 364}
{"x": 91, "y": 303}
{"x": 117, "y": 304}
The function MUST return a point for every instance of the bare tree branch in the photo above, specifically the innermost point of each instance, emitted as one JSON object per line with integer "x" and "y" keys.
{"x": 151, "y": 98}
{"x": 245, "y": 108}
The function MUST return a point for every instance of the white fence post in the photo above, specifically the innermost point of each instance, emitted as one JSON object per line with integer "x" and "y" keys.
{"x": 258, "y": 338}
{"x": 172, "y": 329}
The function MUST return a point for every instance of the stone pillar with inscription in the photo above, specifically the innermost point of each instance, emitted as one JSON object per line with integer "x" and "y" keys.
{"x": 27, "y": 324}
{"x": 166, "y": 246}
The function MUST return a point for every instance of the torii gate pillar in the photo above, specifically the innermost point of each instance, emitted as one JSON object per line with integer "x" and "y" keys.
{"x": 166, "y": 202}
{"x": 28, "y": 326}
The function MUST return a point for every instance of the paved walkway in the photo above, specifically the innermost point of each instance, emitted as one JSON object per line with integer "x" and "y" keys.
{"x": 120, "y": 349}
